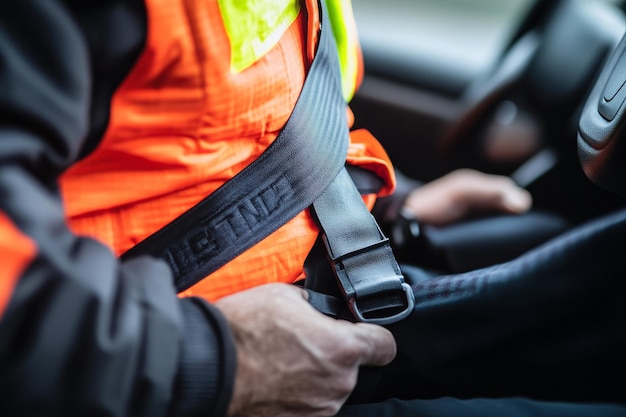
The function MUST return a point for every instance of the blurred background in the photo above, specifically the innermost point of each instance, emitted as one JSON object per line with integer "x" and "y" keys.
{"x": 494, "y": 85}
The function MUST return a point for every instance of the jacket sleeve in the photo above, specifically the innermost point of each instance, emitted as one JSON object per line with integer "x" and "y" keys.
{"x": 83, "y": 334}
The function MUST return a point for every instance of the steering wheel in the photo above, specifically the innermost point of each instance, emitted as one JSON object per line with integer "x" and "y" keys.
{"x": 601, "y": 147}
{"x": 543, "y": 76}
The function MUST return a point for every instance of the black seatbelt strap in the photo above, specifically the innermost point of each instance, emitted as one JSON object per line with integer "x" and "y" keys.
{"x": 304, "y": 160}
{"x": 361, "y": 256}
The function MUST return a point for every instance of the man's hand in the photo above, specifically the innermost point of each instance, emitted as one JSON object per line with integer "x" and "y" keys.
{"x": 463, "y": 191}
{"x": 292, "y": 360}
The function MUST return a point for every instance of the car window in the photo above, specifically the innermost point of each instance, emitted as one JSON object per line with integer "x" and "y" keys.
{"x": 442, "y": 44}
{"x": 446, "y": 34}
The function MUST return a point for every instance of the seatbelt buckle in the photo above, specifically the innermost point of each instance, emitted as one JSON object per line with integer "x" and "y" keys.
{"x": 372, "y": 284}
{"x": 408, "y": 296}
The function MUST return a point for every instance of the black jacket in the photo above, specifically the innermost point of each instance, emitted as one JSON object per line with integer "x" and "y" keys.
{"x": 83, "y": 333}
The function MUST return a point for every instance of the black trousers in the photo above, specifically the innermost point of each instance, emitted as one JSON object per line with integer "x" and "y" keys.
{"x": 482, "y": 407}
{"x": 542, "y": 335}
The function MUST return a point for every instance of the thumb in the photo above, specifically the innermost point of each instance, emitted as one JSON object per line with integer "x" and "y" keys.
{"x": 516, "y": 200}
{"x": 379, "y": 345}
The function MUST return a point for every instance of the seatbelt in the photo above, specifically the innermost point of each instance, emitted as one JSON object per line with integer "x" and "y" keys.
{"x": 360, "y": 255}
{"x": 303, "y": 167}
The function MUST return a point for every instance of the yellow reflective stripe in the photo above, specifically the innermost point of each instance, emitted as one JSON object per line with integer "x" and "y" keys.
{"x": 346, "y": 36}
{"x": 254, "y": 27}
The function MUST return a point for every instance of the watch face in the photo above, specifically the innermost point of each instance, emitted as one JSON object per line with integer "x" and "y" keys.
{"x": 397, "y": 234}
{"x": 406, "y": 229}
{"x": 414, "y": 228}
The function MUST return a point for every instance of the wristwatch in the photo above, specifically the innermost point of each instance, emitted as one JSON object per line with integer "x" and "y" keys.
{"x": 406, "y": 230}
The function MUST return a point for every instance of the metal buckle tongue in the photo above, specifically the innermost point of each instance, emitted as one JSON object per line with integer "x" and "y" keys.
{"x": 372, "y": 284}
{"x": 407, "y": 291}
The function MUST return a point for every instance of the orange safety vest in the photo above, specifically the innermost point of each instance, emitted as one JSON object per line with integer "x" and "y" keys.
{"x": 16, "y": 252}
{"x": 183, "y": 123}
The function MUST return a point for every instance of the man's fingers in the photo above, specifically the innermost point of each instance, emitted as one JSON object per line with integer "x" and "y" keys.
{"x": 474, "y": 189}
{"x": 496, "y": 194}
{"x": 379, "y": 345}
{"x": 453, "y": 196}
{"x": 516, "y": 200}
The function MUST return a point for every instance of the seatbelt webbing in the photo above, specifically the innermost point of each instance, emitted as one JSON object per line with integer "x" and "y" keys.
{"x": 303, "y": 167}
{"x": 363, "y": 263}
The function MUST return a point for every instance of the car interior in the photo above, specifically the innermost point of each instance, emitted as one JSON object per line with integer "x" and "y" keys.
{"x": 504, "y": 87}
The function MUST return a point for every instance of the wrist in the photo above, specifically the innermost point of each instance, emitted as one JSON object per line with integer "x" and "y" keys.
{"x": 406, "y": 230}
